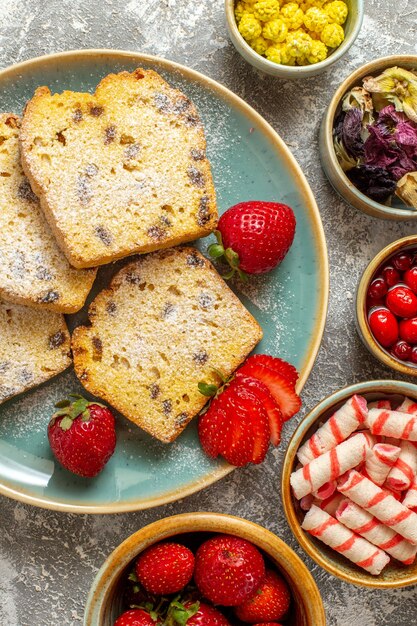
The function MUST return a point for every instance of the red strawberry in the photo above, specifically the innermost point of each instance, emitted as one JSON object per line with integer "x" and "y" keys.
{"x": 206, "y": 616}
{"x": 281, "y": 390}
{"x": 135, "y": 617}
{"x": 262, "y": 393}
{"x": 165, "y": 568}
{"x": 228, "y": 570}
{"x": 213, "y": 428}
{"x": 268, "y": 624}
{"x": 270, "y": 602}
{"x": 82, "y": 436}
{"x": 254, "y": 236}
{"x": 284, "y": 368}
{"x": 249, "y": 400}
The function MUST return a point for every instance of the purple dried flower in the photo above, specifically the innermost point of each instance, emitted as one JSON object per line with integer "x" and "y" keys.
{"x": 375, "y": 182}
{"x": 380, "y": 149}
{"x": 351, "y": 132}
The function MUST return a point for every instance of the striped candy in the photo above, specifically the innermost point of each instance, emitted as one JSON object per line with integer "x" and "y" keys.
{"x": 379, "y": 461}
{"x": 331, "y": 532}
{"x": 331, "y": 504}
{"x": 410, "y": 500}
{"x": 329, "y": 466}
{"x": 393, "y": 424}
{"x": 343, "y": 423}
{"x": 364, "y": 524}
{"x": 380, "y": 504}
{"x": 405, "y": 469}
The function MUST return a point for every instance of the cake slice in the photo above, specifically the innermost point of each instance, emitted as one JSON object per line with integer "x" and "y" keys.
{"x": 167, "y": 322}
{"x": 119, "y": 172}
{"x": 33, "y": 270}
{"x": 34, "y": 347}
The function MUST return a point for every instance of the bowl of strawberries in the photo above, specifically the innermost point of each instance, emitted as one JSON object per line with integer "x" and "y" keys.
{"x": 203, "y": 569}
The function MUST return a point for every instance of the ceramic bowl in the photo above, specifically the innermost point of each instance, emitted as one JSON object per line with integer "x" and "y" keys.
{"x": 351, "y": 28}
{"x": 393, "y": 575}
{"x": 329, "y": 161}
{"x": 361, "y": 315}
{"x": 104, "y": 600}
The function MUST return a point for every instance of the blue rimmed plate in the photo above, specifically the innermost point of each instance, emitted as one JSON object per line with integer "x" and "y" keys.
{"x": 249, "y": 161}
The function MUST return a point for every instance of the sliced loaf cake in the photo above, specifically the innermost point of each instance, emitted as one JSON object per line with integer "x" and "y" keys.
{"x": 119, "y": 172}
{"x": 34, "y": 347}
{"x": 33, "y": 270}
{"x": 167, "y": 322}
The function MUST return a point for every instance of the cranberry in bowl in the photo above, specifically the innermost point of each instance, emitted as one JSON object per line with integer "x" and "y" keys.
{"x": 386, "y": 306}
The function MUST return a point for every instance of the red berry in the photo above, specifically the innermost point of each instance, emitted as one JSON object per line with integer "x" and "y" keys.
{"x": 402, "y": 261}
{"x": 135, "y": 617}
{"x": 410, "y": 278}
{"x": 274, "y": 414}
{"x": 268, "y": 624}
{"x": 373, "y": 302}
{"x": 260, "y": 233}
{"x": 402, "y": 301}
{"x": 391, "y": 275}
{"x": 228, "y": 570}
{"x": 401, "y": 350}
{"x": 284, "y": 368}
{"x": 82, "y": 436}
{"x": 377, "y": 289}
{"x": 206, "y": 616}
{"x": 384, "y": 326}
{"x": 413, "y": 355}
{"x": 408, "y": 330}
{"x": 270, "y": 602}
{"x": 165, "y": 568}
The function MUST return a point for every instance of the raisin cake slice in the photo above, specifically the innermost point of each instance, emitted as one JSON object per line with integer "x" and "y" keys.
{"x": 167, "y": 322}
{"x": 34, "y": 347}
{"x": 119, "y": 172}
{"x": 33, "y": 270}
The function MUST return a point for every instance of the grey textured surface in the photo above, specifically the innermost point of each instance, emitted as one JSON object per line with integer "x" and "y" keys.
{"x": 47, "y": 559}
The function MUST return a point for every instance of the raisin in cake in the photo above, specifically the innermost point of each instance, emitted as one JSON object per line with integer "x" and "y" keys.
{"x": 33, "y": 270}
{"x": 167, "y": 322}
{"x": 119, "y": 172}
{"x": 34, "y": 347}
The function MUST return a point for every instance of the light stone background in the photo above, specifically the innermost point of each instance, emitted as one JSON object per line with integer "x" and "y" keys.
{"x": 47, "y": 559}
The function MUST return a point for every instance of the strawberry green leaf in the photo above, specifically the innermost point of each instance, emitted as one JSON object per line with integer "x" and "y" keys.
{"x": 66, "y": 423}
{"x": 228, "y": 275}
{"x": 220, "y": 374}
{"x": 78, "y": 407}
{"x": 232, "y": 258}
{"x": 215, "y": 250}
{"x": 207, "y": 390}
{"x": 62, "y": 403}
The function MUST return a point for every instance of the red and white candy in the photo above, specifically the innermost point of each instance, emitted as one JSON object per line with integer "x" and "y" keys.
{"x": 379, "y": 461}
{"x": 410, "y": 499}
{"x": 393, "y": 424}
{"x": 334, "y": 534}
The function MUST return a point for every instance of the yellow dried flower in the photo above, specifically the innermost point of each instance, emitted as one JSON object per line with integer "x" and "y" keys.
{"x": 273, "y": 53}
{"x": 308, "y": 4}
{"x": 337, "y": 11}
{"x": 292, "y": 15}
{"x": 249, "y": 27}
{"x": 318, "y": 52}
{"x": 315, "y": 19}
{"x": 286, "y": 57}
{"x": 298, "y": 44}
{"x": 260, "y": 45}
{"x": 332, "y": 35}
{"x": 275, "y": 30}
{"x": 241, "y": 9}
{"x": 266, "y": 10}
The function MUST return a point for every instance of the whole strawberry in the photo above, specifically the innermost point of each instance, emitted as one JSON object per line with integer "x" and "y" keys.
{"x": 82, "y": 435}
{"x": 228, "y": 570}
{"x": 270, "y": 602}
{"x": 194, "y": 614}
{"x": 135, "y": 617}
{"x": 254, "y": 236}
{"x": 165, "y": 568}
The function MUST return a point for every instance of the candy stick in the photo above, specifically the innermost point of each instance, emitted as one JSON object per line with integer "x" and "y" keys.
{"x": 364, "y": 524}
{"x": 405, "y": 469}
{"x": 380, "y": 404}
{"x": 410, "y": 500}
{"x": 306, "y": 502}
{"x": 380, "y": 504}
{"x": 338, "y": 428}
{"x": 329, "y": 466}
{"x": 326, "y": 490}
{"x": 331, "y": 504}
{"x": 379, "y": 462}
{"x": 407, "y": 406}
{"x": 393, "y": 424}
{"x": 331, "y": 532}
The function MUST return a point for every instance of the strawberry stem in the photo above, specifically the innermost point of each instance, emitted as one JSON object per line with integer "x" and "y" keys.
{"x": 217, "y": 251}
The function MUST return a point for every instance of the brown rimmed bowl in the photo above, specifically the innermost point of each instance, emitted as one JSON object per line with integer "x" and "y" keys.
{"x": 104, "y": 602}
{"x": 394, "y": 575}
{"x": 383, "y": 355}
{"x": 330, "y": 164}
